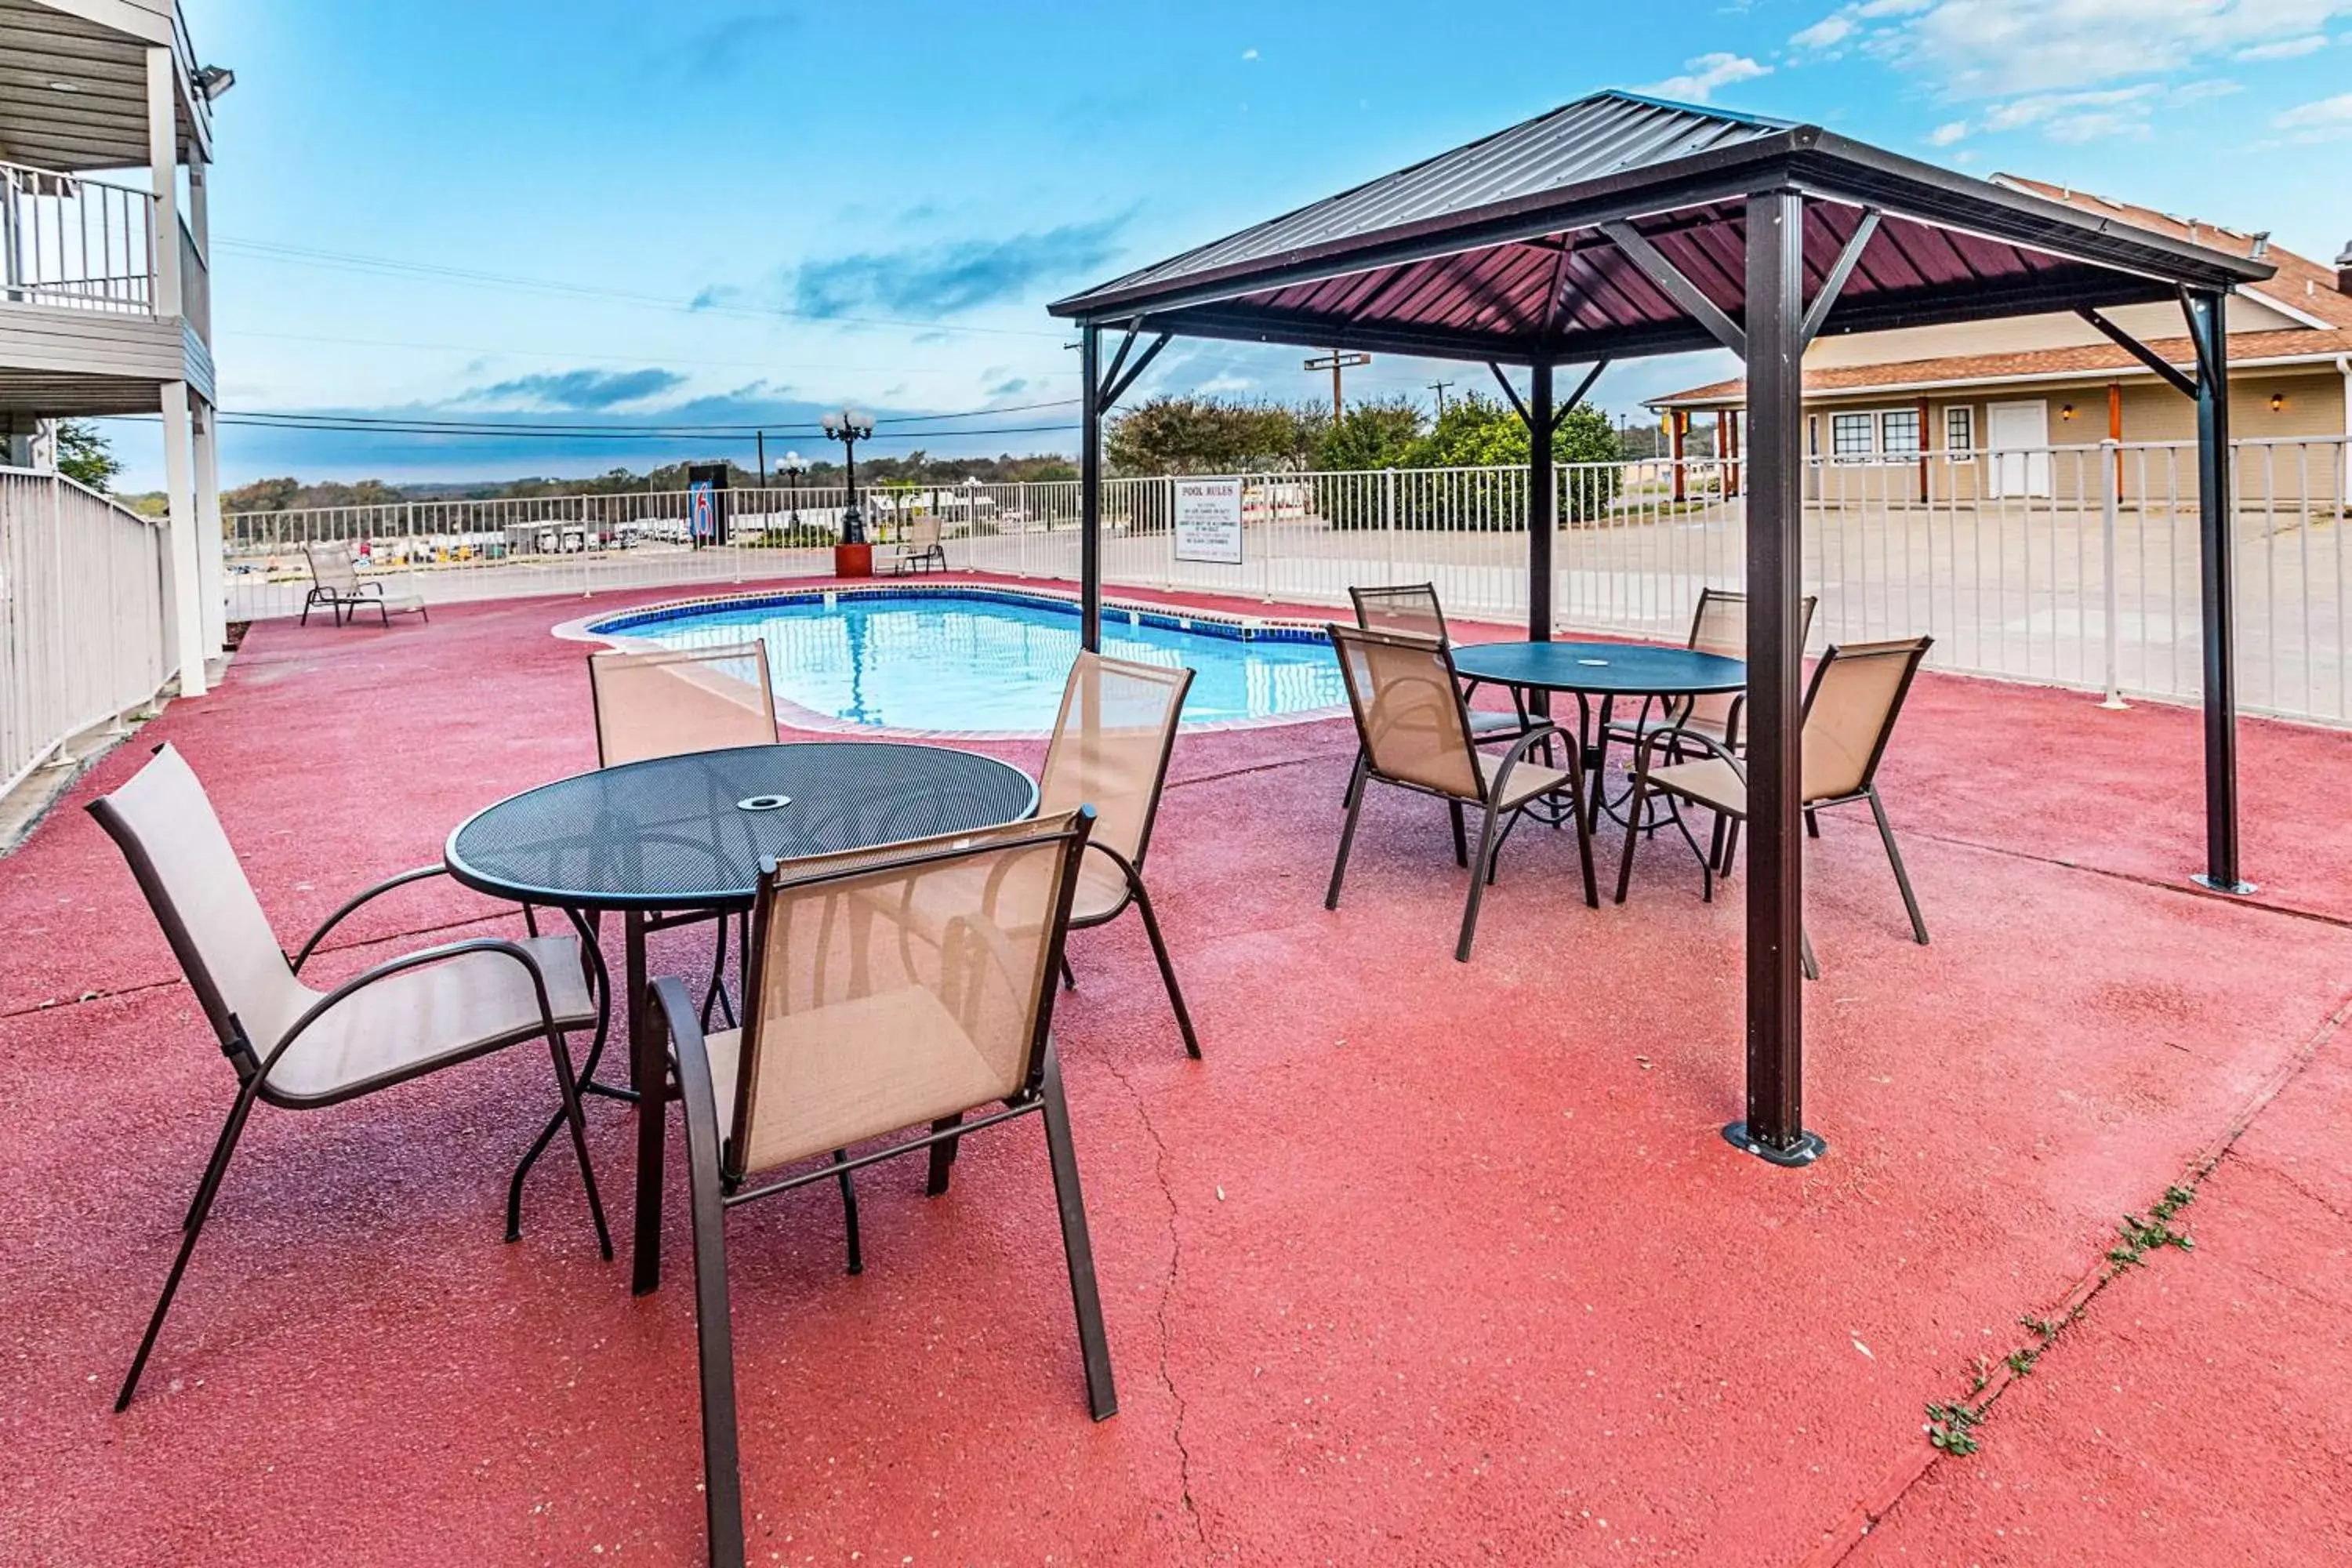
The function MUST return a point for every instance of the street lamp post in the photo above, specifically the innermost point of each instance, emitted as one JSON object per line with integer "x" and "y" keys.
{"x": 792, "y": 466}
{"x": 849, "y": 427}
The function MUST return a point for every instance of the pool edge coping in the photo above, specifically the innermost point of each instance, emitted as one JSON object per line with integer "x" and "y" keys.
{"x": 582, "y": 629}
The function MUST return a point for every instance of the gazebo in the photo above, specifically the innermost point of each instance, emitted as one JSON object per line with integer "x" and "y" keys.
{"x": 1621, "y": 225}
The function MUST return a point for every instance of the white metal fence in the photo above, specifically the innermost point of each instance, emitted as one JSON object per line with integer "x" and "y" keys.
{"x": 2076, "y": 565}
{"x": 84, "y": 619}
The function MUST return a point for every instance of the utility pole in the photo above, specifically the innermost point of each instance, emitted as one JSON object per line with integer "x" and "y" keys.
{"x": 1335, "y": 361}
{"x": 1439, "y": 387}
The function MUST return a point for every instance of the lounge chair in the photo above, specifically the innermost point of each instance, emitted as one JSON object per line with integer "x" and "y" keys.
{"x": 304, "y": 1049}
{"x": 865, "y": 1026}
{"x": 1856, "y": 695}
{"x": 920, "y": 546}
{"x": 1413, "y": 729}
{"x": 336, "y": 584}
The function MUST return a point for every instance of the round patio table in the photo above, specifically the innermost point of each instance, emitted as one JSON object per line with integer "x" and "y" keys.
{"x": 1607, "y": 670}
{"x": 672, "y": 840}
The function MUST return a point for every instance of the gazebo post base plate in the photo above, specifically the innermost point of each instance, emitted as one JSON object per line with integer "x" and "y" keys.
{"x": 2238, "y": 890}
{"x": 1807, "y": 1148}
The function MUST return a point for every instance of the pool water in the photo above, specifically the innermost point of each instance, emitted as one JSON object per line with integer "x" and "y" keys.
{"x": 989, "y": 660}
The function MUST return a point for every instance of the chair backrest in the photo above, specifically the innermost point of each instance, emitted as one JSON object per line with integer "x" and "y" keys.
{"x": 1719, "y": 625}
{"x": 893, "y": 986}
{"x": 331, "y": 567}
{"x": 1111, "y": 745}
{"x": 1410, "y": 715}
{"x": 665, "y": 703}
{"x": 165, "y": 827}
{"x": 1408, "y": 607}
{"x": 1850, "y": 710}
{"x": 920, "y": 531}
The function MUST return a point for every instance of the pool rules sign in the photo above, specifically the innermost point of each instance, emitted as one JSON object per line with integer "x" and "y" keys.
{"x": 1208, "y": 521}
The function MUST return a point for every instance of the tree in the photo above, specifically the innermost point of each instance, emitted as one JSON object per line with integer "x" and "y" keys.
{"x": 1206, "y": 436}
{"x": 1376, "y": 435}
{"x": 84, "y": 456}
{"x": 1474, "y": 432}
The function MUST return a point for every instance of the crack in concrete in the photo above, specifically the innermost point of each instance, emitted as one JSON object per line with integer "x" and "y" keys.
{"x": 1175, "y": 1261}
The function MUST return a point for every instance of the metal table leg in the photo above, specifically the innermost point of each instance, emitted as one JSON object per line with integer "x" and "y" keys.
{"x": 649, "y": 1077}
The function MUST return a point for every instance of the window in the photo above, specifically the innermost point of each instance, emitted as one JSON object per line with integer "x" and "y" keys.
{"x": 1959, "y": 429}
{"x": 1898, "y": 433}
{"x": 1850, "y": 437}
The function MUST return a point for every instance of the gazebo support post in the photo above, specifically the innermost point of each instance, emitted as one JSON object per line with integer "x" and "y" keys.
{"x": 1542, "y": 489}
{"x": 1775, "y": 1128}
{"x": 1090, "y": 487}
{"x": 2208, "y": 331}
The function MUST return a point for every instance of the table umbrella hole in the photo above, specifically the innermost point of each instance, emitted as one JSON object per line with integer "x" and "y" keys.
{"x": 763, "y": 803}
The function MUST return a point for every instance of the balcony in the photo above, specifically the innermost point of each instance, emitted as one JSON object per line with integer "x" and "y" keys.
{"x": 79, "y": 244}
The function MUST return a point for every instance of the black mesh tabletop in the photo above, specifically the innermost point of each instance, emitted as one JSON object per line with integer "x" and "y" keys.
{"x": 1603, "y": 669}
{"x": 689, "y": 832}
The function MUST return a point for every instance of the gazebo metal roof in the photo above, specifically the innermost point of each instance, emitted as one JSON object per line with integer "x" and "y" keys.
{"x": 1497, "y": 250}
{"x": 1621, "y": 225}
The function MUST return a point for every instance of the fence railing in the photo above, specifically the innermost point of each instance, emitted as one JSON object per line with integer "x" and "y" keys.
{"x": 85, "y": 632}
{"x": 74, "y": 242}
{"x": 2074, "y": 565}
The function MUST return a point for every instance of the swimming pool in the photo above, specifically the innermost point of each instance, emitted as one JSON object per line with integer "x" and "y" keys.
{"x": 988, "y": 660}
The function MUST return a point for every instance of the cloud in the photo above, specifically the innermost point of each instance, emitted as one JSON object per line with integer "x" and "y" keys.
{"x": 1249, "y": 53}
{"x": 2325, "y": 120}
{"x": 1702, "y": 75}
{"x": 2285, "y": 49}
{"x": 941, "y": 279}
{"x": 579, "y": 389}
{"x": 2078, "y": 116}
{"x": 1951, "y": 131}
{"x": 722, "y": 48}
{"x": 1996, "y": 49}
{"x": 1009, "y": 386}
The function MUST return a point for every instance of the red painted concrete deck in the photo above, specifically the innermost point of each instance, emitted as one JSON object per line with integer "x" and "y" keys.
{"x": 1425, "y": 1263}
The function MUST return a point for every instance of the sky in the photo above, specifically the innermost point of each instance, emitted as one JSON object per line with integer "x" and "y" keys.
{"x": 723, "y": 212}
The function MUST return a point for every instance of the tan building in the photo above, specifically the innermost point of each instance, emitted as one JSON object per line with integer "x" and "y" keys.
{"x": 2017, "y": 408}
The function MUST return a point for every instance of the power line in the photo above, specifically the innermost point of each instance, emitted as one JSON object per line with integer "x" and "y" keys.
{"x": 597, "y": 433}
{"x": 423, "y": 425}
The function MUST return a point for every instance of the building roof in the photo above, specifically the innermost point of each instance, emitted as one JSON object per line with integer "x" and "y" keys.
{"x": 2300, "y": 286}
{"x": 1494, "y": 250}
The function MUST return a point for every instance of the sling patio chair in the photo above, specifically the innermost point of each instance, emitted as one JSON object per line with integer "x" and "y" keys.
{"x": 920, "y": 548}
{"x": 1851, "y": 706}
{"x": 303, "y": 1049}
{"x": 1719, "y": 625}
{"x": 336, "y": 585}
{"x": 867, "y": 1026}
{"x": 665, "y": 702}
{"x": 1413, "y": 729}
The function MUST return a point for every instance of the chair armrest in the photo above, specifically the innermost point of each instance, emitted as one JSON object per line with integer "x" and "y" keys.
{"x": 690, "y": 1055}
{"x": 1526, "y": 743}
{"x": 404, "y": 962}
{"x": 356, "y": 899}
{"x": 1678, "y": 735}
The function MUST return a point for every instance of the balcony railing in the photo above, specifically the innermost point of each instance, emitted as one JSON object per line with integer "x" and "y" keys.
{"x": 76, "y": 243}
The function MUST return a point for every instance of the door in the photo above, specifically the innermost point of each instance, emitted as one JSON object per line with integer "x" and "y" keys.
{"x": 2017, "y": 441}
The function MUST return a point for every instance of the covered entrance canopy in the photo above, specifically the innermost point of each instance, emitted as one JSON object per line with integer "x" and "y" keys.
{"x": 1621, "y": 226}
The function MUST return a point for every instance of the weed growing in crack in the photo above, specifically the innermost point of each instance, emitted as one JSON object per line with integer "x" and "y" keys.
{"x": 1951, "y": 1427}
{"x": 2139, "y": 1237}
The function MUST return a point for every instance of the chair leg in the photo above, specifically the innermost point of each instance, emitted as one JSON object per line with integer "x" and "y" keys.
{"x": 1805, "y": 954}
{"x": 1730, "y": 848}
{"x": 1354, "y": 781}
{"x": 1901, "y": 878}
{"x": 207, "y": 1189}
{"x": 1069, "y": 976}
{"x": 943, "y": 1155}
{"x": 1481, "y": 869}
{"x": 1461, "y": 834}
{"x": 571, "y": 1088}
{"x": 1167, "y": 969}
{"x": 714, "y": 1334}
{"x": 1584, "y": 844}
{"x": 1346, "y": 837}
{"x": 1812, "y": 824}
{"x": 1102, "y": 1398}
{"x": 849, "y": 1213}
{"x": 1632, "y": 838}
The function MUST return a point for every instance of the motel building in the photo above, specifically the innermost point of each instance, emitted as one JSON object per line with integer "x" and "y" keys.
{"x": 2016, "y": 409}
